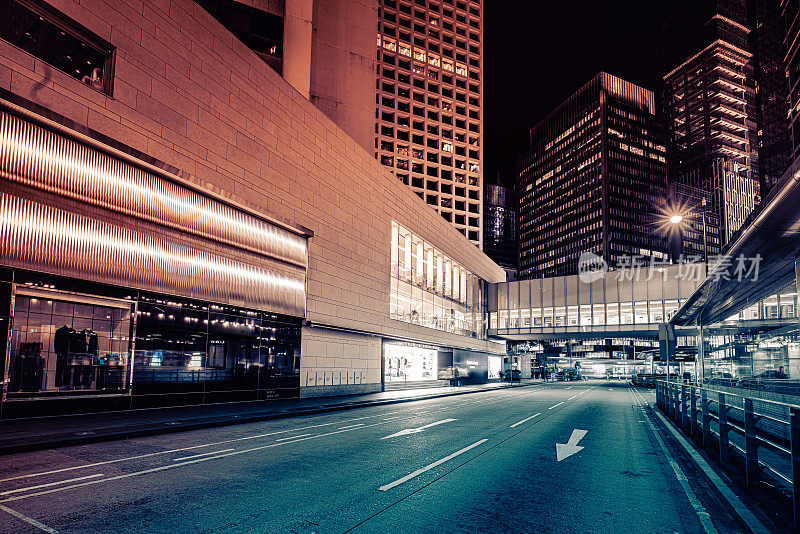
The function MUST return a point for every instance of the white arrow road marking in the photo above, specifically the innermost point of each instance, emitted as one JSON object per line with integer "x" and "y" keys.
{"x": 565, "y": 450}
{"x": 420, "y": 429}
{"x": 429, "y": 466}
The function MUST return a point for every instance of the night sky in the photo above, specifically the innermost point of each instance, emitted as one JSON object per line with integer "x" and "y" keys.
{"x": 538, "y": 52}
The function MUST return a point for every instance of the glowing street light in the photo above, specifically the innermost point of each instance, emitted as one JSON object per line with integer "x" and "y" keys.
{"x": 676, "y": 219}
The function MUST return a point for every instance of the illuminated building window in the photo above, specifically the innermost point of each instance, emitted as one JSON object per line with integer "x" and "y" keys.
{"x": 47, "y": 34}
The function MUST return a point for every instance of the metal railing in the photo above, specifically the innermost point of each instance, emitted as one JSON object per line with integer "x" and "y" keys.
{"x": 766, "y": 440}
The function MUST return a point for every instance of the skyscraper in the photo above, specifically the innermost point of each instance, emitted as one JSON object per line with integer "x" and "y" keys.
{"x": 500, "y": 227}
{"x": 428, "y": 105}
{"x": 790, "y": 16}
{"x": 709, "y": 106}
{"x": 772, "y": 91}
{"x": 593, "y": 180}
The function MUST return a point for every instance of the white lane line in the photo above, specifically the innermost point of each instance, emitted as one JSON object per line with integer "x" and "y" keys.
{"x": 699, "y": 509}
{"x": 29, "y": 520}
{"x": 428, "y": 467}
{"x": 190, "y": 448}
{"x": 351, "y": 426}
{"x": 524, "y": 420}
{"x": 173, "y": 466}
{"x": 572, "y": 397}
{"x": 445, "y": 407}
{"x": 293, "y": 437}
{"x": 556, "y": 405}
{"x": 201, "y": 454}
{"x": 9, "y": 492}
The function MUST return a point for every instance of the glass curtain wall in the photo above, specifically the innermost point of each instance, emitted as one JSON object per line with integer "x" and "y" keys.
{"x": 618, "y": 301}
{"x": 758, "y": 347}
{"x": 430, "y": 289}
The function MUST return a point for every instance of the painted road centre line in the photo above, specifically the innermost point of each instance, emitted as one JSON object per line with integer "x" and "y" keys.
{"x": 190, "y": 448}
{"x": 293, "y": 437}
{"x": 428, "y": 467}
{"x": 201, "y": 454}
{"x": 525, "y": 420}
{"x": 408, "y": 431}
{"x": 18, "y": 490}
{"x": 173, "y": 466}
{"x": 185, "y": 463}
{"x": 556, "y": 405}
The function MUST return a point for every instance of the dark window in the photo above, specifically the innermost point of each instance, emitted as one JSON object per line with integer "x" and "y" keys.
{"x": 262, "y": 32}
{"x": 47, "y": 34}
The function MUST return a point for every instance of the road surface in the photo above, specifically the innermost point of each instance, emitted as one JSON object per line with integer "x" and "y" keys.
{"x": 484, "y": 462}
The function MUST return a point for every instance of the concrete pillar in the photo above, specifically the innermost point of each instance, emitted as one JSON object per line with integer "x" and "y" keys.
{"x": 343, "y": 65}
{"x": 297, "y": 30}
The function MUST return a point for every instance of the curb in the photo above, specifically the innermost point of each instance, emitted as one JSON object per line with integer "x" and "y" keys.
{"x": 745, "y": 515}
{"x": 161, "y": 428}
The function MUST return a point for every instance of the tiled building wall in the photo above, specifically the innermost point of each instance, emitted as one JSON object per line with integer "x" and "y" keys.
{"x": 187, "y": 93}
{"x": 337, "y": 361}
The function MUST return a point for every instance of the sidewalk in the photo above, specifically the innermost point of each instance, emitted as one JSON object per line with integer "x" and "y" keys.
{"x": 23, "y": 435}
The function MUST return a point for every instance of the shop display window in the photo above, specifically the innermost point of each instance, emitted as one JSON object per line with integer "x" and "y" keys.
{"x": 64, "y": 343}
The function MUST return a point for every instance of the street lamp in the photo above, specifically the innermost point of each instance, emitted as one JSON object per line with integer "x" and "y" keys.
{"x": 677, "y": 219}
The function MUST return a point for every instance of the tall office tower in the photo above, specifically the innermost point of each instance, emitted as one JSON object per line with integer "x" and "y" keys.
{"x": 428, "y": 105}
{"x": 772, "y": 91}
{"x": 790, "y": 22}
{"x": 709, "y": 106}
{"x": 594, "y": 180}
{"x": 500, "y": 227}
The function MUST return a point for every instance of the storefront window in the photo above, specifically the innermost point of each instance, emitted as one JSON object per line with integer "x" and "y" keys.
{"x": 212, "y": 347}
{"x": 68, "y": 343}
{"x": 409, "y": 364}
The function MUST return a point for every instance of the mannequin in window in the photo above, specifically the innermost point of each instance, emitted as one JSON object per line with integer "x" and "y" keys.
{"x": 61, "y": 344}
{"x": 88, "y": 356}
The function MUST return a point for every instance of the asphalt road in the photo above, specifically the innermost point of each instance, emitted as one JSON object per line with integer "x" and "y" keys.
{"x": 485, "y": 462}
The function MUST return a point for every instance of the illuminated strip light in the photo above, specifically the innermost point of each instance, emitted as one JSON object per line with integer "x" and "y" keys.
{"x": 44, "y": 238}
{"x": 38, "y": 158}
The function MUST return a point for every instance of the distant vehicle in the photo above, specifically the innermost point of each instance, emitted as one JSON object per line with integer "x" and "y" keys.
{"x": 514, "y": 375}
{"x": 771, "y": 374}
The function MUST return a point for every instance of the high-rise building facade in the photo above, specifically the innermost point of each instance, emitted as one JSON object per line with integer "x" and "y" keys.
{"x": 593, "y": 181}
{"x": 429, "y": 96}
{"x": 500, "y": 226}
{"x": 772, "y": 92}
{"x": 790, "y": 22}
{"x": 709, "y": 106}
